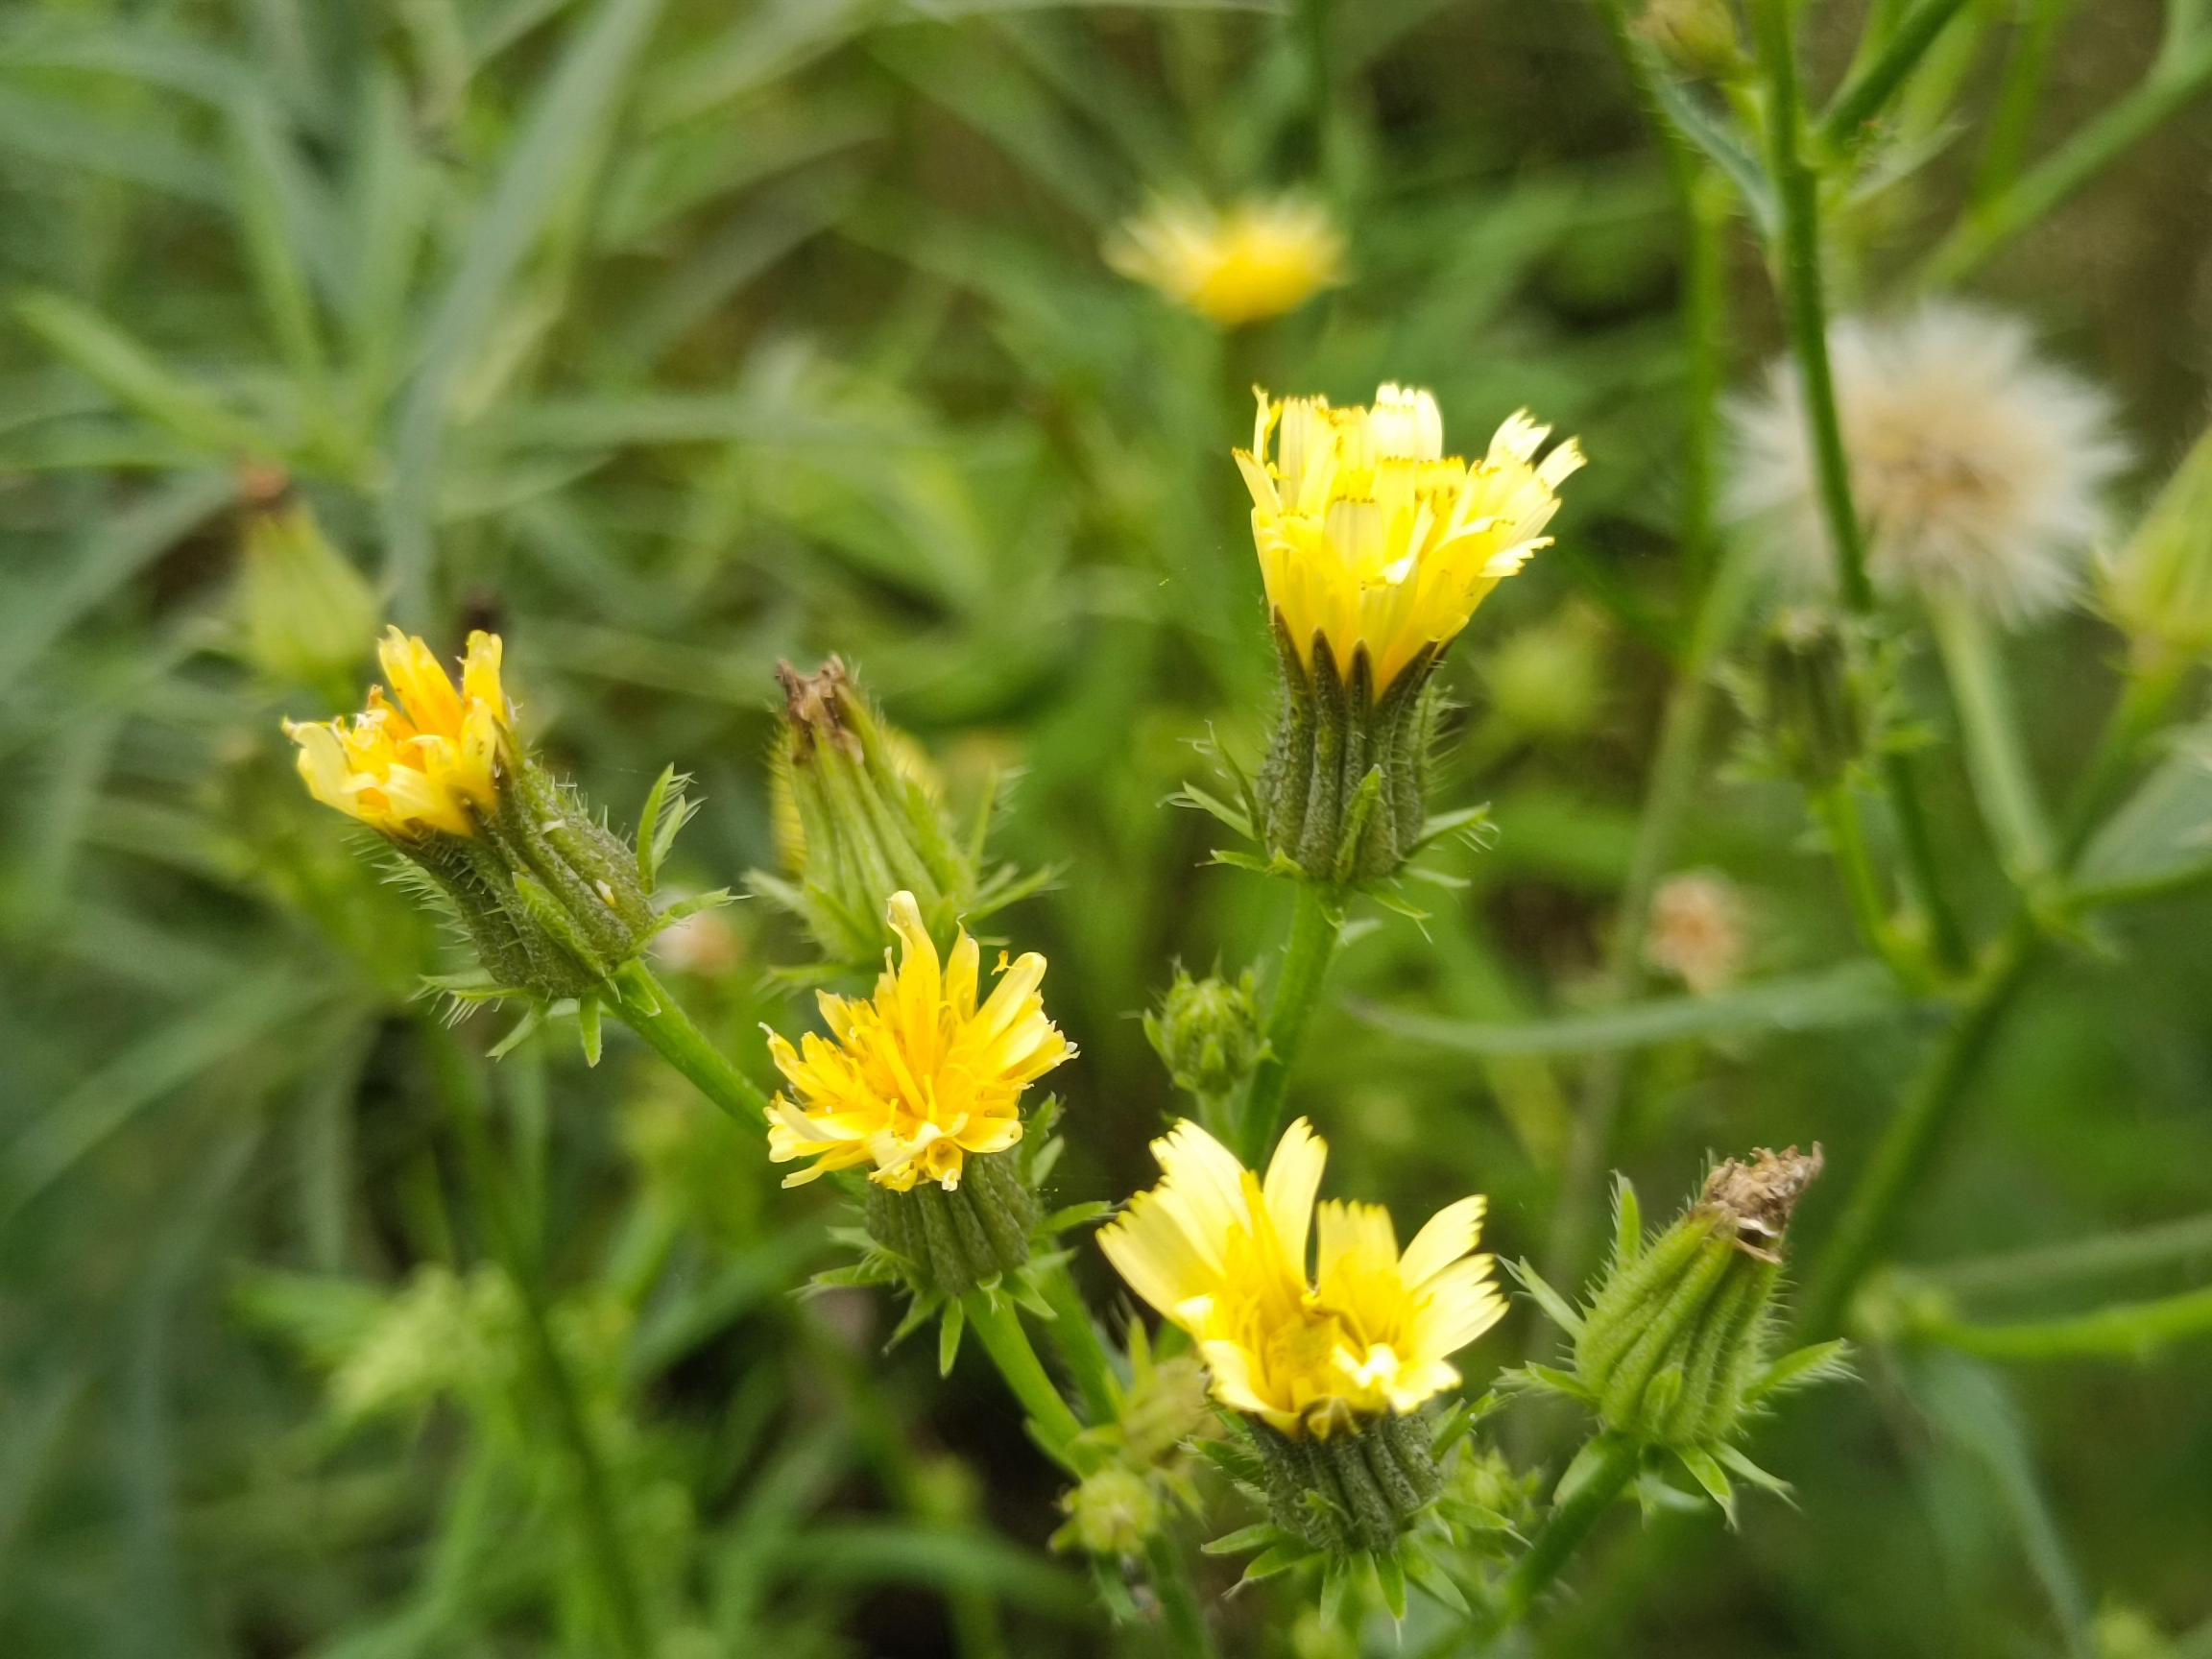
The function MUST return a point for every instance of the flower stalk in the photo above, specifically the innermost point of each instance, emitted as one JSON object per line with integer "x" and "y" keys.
{"x": 641, "y": 1002}
{"x": 1593, "y": 1483}
{"x": 1316, "y": 923}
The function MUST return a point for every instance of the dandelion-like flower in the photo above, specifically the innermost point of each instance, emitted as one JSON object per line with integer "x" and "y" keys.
{"x": 1697, "y": 931}
{"x": 429, "y": 762}
{"x": 1259, "y": 257}
{"x": 1977, "y": 466}
{"x": 1375, "y": 541}
{"x": 919, "y": 1080}
{"x": 1222, "y": 1254}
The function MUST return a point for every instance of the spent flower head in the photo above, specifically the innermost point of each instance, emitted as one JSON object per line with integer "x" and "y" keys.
{"x": 1697, "y": 931}
{"x": 1257, "y": 258}
{"x": 1978, "y": 468}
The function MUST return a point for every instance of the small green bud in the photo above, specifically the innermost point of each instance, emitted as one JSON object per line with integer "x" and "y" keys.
{"x": 1206, "y": 1033}
{"x": 860, "y": 823}
{"x": 1165, "y": 1405}
{"x": 1679, "y": 1330}
{"x": 1359, "y": 1488}
{"x": 1548, "y": 681}
{"x": 2158, "y": 588}
{"x": 955, "y": 1238}
{"x": 1112, "y": 1512}
{"x": 1697, "y": 37}
{"x": 309, "y": 617}
{"x": 1343, "y": 793}
{"x": 1811, "y": 722}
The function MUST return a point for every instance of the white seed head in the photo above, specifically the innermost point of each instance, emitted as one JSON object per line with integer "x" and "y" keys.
{"x": 1978, "y": 468}
{"x": 1697, "y": 931}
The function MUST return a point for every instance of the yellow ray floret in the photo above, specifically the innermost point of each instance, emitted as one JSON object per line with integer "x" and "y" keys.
{"x": 1257, "y": 258}
{"x": 1370, "y": 535}
{"x": 1222, "y": 1254}
{"x": 918, "y": 1078}
{"x": 426, "y": 762}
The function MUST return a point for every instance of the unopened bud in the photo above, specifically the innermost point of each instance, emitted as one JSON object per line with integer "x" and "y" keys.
{"x": 1112, "y": 1512}
{"x": 1811, "y": 721}
{"x": 1165, "y": 1405}
{"x": 1206, "y": 1033}
{"x": 1679, "y": 1330}
{"x": 859, "y": 826}
{"x": 1548, "y": 679}
{"x": 309, "y": 615}
{"x": 2158, "y": 588}
{"x": 1359, "y": 1488}
{"x": 1697, "y": 37}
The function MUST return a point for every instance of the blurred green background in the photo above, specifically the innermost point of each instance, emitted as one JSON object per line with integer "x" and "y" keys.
{"x": 673, "y": 338}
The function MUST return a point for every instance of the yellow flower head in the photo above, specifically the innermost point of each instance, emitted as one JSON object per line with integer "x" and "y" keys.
{"x": 1369, "y": 534}
{"x": 427, "y": 764}
{"x": 921, "y": 1077}
{"x": 1257, "y": 258}
{"x": 1223, "y": 1255}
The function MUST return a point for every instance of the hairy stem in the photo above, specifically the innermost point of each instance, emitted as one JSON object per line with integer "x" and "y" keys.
{"x": 644, "y": 1004}
{"x": 1315, "y": 924}
{"x": 1076, "y": 1337}
{"x": 1838, "y": 816}
{"x": 1805, "y": 313}
{"x": 2122, "y": 1331}
{"x": 998, "y": 1323}
{"x": 1184, "y": 1619}
{"x": 1568, "y": 1527}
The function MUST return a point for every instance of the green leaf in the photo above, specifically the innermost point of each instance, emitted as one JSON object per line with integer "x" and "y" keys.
{"x": 1802, "y": 1368}
{"x": 136, "y": 377}
{"x": 1557, "y": 1307}
{"x": 1390, "y": 1577}
{"x": 1243, "y": 1540}
{"x": 948, "y": 1330}
{"x": 1280, "y": 1558}
{"x": 1705, "y": 1469}
{"x": 1853, "y": 993}
{"x": 1627, "y": 1222}
{"x": 2162, "y": 835}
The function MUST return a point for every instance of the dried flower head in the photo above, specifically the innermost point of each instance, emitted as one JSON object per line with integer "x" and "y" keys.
{"x": 1697, "y": 931}
{"x": 920, "y": 1078}
{"x": 1978, "y": 468}
{"x": 1259, "y": 257}
{"x": 1223, "y": 1255}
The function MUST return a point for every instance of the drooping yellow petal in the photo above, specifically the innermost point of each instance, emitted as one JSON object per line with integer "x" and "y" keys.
{"x": 1371, "y": 538}
{"x": 1258, "y": 258}
{"x": 917, "y": 1079}
{"x": 1222, "y": 1255}
{"x": 432, "y": 761}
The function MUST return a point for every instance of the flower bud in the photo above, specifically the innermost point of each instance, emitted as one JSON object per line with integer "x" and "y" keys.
{"x": 1206, "y": 1033}
{"x": 1810, "y": 723}
{"x": 1359, "y": 1488}
{"x": 552, "y": 901}
{"x": 2158, "y": 588}
{"x": 309, "y": 615}
{"x": 1112, "y": 1512}
{"x": 1697, "y": 37}
{"x": 1677, "y": 1337}
{"x": 860, "y": 823}
{"x": 954, "y": 1238}
{"x": 1548, "y": 681}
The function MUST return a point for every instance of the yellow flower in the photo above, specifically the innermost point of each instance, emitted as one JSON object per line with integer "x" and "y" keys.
{"x": 921, "y": 1077}
{"x": 1369, "y": 534}
{"x": 429, "y": 763}
{"x": 1223, "y": 1255}
{"x": 1257, "y": 258}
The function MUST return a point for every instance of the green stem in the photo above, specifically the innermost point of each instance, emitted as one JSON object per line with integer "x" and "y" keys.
{"x": 595, "y": 1510}
{"x": 644, "y": 1004}
{"x": 1805, "y": 314}
{"x": 1075, "y": 1336}
{"x": 2177, "y": 78}
{"x": 997, "y": 1322}
{"x": 1990, "y": 731}
{"x": 2019, "y": 99}
{"x": 1709, "y": 201}
{"x": 1907, "y": 1145}
{"x": 2124, "y": 1331}
{"x": 1315, "y": 924}
{"x": 1568, "y": 1525}
{"x": 1184, "y": 1620}
{"x": 1838, "y": 815}
{"x": 2075, "y": 1262}
{"x": 1865, "y": 93}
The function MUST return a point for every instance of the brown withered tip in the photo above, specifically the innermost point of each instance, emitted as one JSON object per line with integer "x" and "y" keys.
{"x": 1760, "y": 1195}
{"x": 811, "y": 704}
{"x": 262, "y": 483}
